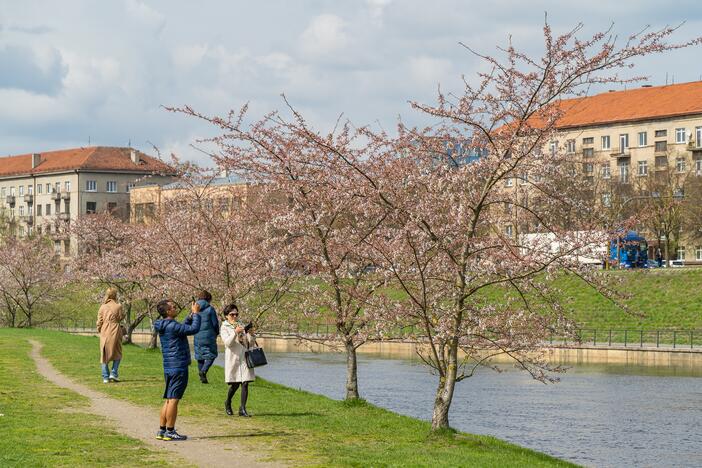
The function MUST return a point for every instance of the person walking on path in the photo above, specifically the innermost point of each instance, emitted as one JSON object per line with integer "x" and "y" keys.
{"x": 176, "y": 359}
{"x": 205, "y": 341}
{"x": 108, "y": 325}
{"x": 236, "y": 372}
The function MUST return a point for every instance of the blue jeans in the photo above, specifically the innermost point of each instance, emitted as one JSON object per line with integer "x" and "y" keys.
{"x": 106, "y": 369}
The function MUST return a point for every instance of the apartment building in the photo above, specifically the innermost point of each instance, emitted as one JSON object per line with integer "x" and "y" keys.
{"x": 625, "y": 139}
{"x": 221, "y": 194}
{"x": 40, "y": 191}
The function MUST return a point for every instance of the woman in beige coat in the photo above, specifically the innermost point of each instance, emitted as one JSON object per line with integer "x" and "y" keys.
{"x": 108, "y": 326}
{"x": 236, "y": 372}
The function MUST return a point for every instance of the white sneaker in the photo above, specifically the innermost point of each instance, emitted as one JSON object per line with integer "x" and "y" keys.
{"x": 114, "y": 378}
{"x": 105, "y": 381}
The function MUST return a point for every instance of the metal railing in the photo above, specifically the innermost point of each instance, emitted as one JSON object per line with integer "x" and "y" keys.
{"x": 677, "y": 339}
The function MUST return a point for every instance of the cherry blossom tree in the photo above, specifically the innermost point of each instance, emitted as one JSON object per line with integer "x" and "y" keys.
{"x": 317, "y": 211}
{"x": 30, "y": 274}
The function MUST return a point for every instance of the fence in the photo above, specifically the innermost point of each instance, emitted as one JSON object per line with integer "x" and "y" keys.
{"x": 590, "y": 337}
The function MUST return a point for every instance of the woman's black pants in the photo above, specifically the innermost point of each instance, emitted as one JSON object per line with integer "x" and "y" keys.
{"x": 233, "y": 387}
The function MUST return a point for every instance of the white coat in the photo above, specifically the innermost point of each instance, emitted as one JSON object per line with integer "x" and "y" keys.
{"x": 235, "y": 344}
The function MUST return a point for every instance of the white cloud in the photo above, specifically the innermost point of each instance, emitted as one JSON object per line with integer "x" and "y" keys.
{"x": 377, "y": 8}
{"x": 325, "y": 34}
{"x": 188, "y": 56}
{"x": 145, "y": 14}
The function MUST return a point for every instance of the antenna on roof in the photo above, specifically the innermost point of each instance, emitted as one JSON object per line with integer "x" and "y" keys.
{"x": 129, "y": 145}
{"x": 88, "y": 140}
{"x": 666, "y": 78}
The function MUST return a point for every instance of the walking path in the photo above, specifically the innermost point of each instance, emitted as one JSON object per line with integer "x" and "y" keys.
{"x": 201, "y": 449}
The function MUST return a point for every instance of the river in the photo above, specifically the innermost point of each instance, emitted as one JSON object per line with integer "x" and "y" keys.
{"x": 604, "y": 416}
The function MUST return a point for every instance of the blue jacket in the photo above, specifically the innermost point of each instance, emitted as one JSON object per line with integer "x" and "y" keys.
{"x": 174, "y": 341}
{"x": 206, "y": 339}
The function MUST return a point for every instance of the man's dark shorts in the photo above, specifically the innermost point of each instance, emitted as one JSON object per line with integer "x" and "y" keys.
{"x": 176, "y": 382}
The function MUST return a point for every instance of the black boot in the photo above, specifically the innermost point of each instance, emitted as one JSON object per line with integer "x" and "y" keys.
{"x": 203, "y": 377}
{"x": 242, "y": 412}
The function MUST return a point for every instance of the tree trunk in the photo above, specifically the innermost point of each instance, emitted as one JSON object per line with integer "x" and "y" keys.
{"x": 667, "y": 252}
{"x": 351, "y": 371}
{"x": 153, "y": 339}
{"x": 444, "y": 392}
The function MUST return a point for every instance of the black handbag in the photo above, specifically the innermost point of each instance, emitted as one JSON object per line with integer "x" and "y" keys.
{"x": 255, "y": 357}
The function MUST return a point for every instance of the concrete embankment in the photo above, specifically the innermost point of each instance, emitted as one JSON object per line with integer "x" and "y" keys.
{"x": 560, "y": 354}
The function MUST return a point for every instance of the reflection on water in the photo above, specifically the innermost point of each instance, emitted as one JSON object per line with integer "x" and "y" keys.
{"x": 596, "y": 416}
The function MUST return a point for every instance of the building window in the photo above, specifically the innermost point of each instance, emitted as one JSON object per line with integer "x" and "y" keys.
{"x": 661, "y": 133}
{"x": 21, "y": 210}
{"x": 38, "y": 210}
{"x": 67, "y": 186}
{"x": 643, "y": 137}
{"x": 90, "y": 186}
{"x": 508, "y": 230}
{"x": 588, "y": 140}
{"x": 606, "y": 144}
{"x": 111, "y": 186}
{"x": 57, "y": 187}
{"x": 48, "y": 189}
{"x": 130, "y": 186}
{"x": 21, "y": 231}
{"x": 21, "y": 190}
{"x": 623, "y": 142}
{"x": 111, "y": 207}
{"x": 67, "y": 247}
{"x": 39, "y": 187}
{"x": 57, "y": 247}
{"x": 30, "y": 189}
{"x": 698, "y": 167}
{"x": 698, "y": 137}
{"x": 553, "y": 147}
{"x": 588, "y": 168}
{"x": 48, "y": 209}
{"x": 605, "y": 172}
{"x": 12, "y": 191}
{"x": 509, "y": 182}
{"x": 680, "y": 253}
{"x": 607, "y": 199}
{"x": 643, "y": 168}
{"x": 680, "y": 135}
{"x": 661, "y": 162}
{"x": 523, "y": 180}
{"x": 680, "y": 164}
{"x": 661, "y": 146}
{"x": 698, "y": 253}
{"x": 588, "y": 152}
{"x": 3, "y": 193}
{"x": 570, "y": 146}
{"x": 624, "y": 172}
{"x": 90, "y": 207}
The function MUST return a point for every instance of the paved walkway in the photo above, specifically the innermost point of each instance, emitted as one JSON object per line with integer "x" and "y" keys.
{"x": 201, "y": 449}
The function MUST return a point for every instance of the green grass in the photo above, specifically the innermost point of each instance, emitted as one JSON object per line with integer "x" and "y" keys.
{"x": 288, "y": 425}
{"x": 44, "y": 425}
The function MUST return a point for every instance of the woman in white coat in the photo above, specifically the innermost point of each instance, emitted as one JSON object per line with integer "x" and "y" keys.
{"x": 236, "y": 372}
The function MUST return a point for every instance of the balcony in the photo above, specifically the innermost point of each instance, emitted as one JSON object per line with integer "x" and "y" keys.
{"x": 56, "y": 196}
{"x": 28, "y": 219}
{"x": 64, "y": 216}
{"x": 10, "y": 200}
{"x": 29, "y": 198}
{"x": 626, "y": 153}
{"x": 65, "y": 195}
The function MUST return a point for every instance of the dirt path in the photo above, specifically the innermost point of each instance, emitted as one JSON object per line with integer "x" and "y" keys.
{"x": 202, "y": 447}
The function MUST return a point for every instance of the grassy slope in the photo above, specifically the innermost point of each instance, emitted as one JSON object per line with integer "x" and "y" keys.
{"x": 44, "y": 425}
{"x": 297, "y": 426}
{"x": 668, "y": 299}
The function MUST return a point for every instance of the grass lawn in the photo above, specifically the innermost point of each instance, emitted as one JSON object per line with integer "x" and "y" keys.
{"x": 44, "y": 425}
{"x": 295, "y": 426}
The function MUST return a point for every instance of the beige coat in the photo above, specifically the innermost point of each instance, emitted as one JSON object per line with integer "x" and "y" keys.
{"x": 108, "y": 325}
{"x": 235, "y": 344}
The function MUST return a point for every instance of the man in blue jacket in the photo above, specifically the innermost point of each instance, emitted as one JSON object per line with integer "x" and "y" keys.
{"x": 176, "y": 359}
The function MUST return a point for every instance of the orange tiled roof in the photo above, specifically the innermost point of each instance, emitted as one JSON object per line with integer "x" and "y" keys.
{"x": 103, "y": 158}
{"x": 632, "y": 105}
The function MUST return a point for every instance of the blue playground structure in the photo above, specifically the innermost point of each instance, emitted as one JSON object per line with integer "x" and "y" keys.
{"x": 629, "y": 251}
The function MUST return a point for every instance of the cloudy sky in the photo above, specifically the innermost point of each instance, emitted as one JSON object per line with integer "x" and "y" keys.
{"x": 76, "y": 71}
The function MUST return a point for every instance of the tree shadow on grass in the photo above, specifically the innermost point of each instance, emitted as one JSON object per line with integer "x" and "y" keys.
{"x": 293, "y": 415}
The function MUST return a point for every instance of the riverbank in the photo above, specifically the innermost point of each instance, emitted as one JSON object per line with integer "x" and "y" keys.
{"x": 290, "y": 426}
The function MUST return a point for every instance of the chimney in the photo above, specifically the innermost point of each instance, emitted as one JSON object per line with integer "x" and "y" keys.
{"x": 134, "y": 156}
{"x": 36, "y": 159}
